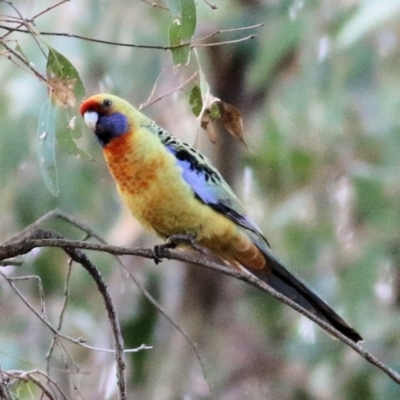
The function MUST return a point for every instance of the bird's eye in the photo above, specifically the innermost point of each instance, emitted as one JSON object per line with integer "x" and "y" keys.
{"x": 107, "y": 103}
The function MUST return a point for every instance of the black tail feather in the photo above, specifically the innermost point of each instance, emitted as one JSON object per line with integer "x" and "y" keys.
{"x": 279, "y": 278}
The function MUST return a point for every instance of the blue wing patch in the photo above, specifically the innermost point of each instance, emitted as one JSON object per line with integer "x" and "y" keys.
{"x": 208, "y": 185}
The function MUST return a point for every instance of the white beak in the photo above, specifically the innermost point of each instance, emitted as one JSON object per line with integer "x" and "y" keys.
{"x": 91, "y": 118}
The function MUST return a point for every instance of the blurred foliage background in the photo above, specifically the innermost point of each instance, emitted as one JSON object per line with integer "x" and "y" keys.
{"x": 318, "y": 91}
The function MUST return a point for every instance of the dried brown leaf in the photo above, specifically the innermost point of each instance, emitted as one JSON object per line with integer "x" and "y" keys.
{"x": 62, "y": 91}
{"x": 215, "y": 112}
{"x": 209, "y": 126}
{"x": 231, "y": 119}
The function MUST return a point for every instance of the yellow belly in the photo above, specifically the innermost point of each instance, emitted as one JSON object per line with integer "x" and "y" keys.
{"x": 154, "y": 190}
{"x": 152, "y": 187}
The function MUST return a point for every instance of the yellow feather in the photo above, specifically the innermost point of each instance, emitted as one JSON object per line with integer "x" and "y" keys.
{"x": 150, "y": 182}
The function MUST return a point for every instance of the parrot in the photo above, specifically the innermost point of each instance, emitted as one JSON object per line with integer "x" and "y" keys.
{"x": 173, "y": 189}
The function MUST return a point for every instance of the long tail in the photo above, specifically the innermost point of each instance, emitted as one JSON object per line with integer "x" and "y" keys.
{"x": 279, "y": 278}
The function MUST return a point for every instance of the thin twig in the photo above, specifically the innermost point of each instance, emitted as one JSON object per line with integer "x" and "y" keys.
{"x": 90, "y": 233}
{"x": 152, "y": 91}
{"x": 81, "y": 258}
{"x": 49, "y": 9}
{"x": 155, "y": 5}
{"x": 64, "y": 354}
{"x": 161, "y": 309}
{"x": 192, "y": 44}
{"x": 28, "y": 376}
{"x": 32, "y": 32}
{"x": 11, "y": 31}
{"x": 23, "y": 67}
{"x": 118, "y": 344}
{"x": 88, "y": 39}
{"x": 62, "y": 313}
{"x": 80, "y": 341}
{"x": 4, "y": 388}
{"x": 212, "y": 6}
{"x": 26, "y": 244}
{"x": 230, "y": 30}
{"x": 59, "y": 215}
{"x": 26, "y": 62}
{"x": 180, "y": 87}
{"x": 41, "y": 291}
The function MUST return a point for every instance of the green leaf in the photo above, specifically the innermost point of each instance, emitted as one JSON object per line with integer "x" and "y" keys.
{"x": 188, "y": 19}
{"x": 204, "y": 86}
{"x": 214, "y": 111}
{"x": 46, "y": 146}
{"x": 180, "y": 55}
{"x": 195, "y": 100}
{"x": 64, "y": 79}
{"x": 20, "y": 51}
{"x": 66, "y": 132}
{"x": 181, "y": 28}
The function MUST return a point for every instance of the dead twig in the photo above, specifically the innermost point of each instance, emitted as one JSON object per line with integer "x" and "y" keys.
{"x": 180, "y": 87}
{"x": 28, "y": 243}
{"x": 193, "y": 44}
{"x": 29, "y": 376}
{"x": 81, "y": 258}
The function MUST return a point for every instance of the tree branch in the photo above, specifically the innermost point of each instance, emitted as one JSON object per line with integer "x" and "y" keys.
{"x": 193, "y": 44}
{"x": 31, "y": 241}
{"x": 81, "y": 258}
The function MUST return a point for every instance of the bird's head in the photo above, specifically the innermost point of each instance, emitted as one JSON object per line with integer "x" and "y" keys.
{"x": 107, "y": 116}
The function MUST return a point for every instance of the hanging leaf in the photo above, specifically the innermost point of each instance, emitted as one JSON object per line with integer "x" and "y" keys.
{"x": 65, "y": 84}
{"x": 180, "y": 55}
{"x": 204, "y": 86}
{"x": 181, "y": 29}
{"x": 66, "y": 132}
{"x": 231, "y": 119}
{"x": 208, "y": 115}
{"x": 210, "y": 110}
{"x": 46, "y": 146}
{"x": 195, "y": 100}
{"x": 66, "y": 89}
{"x": 20, "y": 51}
{"x": 215, "y": 111}
{"x": 208, "y": 125}
{"x": 188, "y": 19}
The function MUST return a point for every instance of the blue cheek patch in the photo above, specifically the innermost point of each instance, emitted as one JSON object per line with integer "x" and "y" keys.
{"x": 111, "y": 126}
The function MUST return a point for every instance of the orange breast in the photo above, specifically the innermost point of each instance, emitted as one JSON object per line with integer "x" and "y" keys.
{"x": 133, "y": 172}
{"x": 151, "y": 185}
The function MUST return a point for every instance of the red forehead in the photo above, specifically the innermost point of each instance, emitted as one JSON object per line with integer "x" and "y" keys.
{"x": 91, "y": 104}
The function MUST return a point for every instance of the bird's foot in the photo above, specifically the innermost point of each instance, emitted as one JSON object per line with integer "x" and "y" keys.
{"x": 172, "y": 242}
{"x": 175, "y": 240}
{"x": 158, "y": 251}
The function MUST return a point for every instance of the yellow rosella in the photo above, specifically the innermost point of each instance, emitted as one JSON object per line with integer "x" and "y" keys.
{"x": 173, "y": 189}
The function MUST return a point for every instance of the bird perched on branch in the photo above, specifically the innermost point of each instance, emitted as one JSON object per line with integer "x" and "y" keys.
{"x": 173, "y": 189}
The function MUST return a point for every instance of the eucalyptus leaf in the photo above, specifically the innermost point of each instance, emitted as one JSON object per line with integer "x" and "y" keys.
{"x": 181, "y": 29}
{"x": 63, "y": 77}
{"x": 46, "y": 146}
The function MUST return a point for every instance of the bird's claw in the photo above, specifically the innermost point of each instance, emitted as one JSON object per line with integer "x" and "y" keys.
{"x": 172, "y": 242}
{"x": 158, "y": 251}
